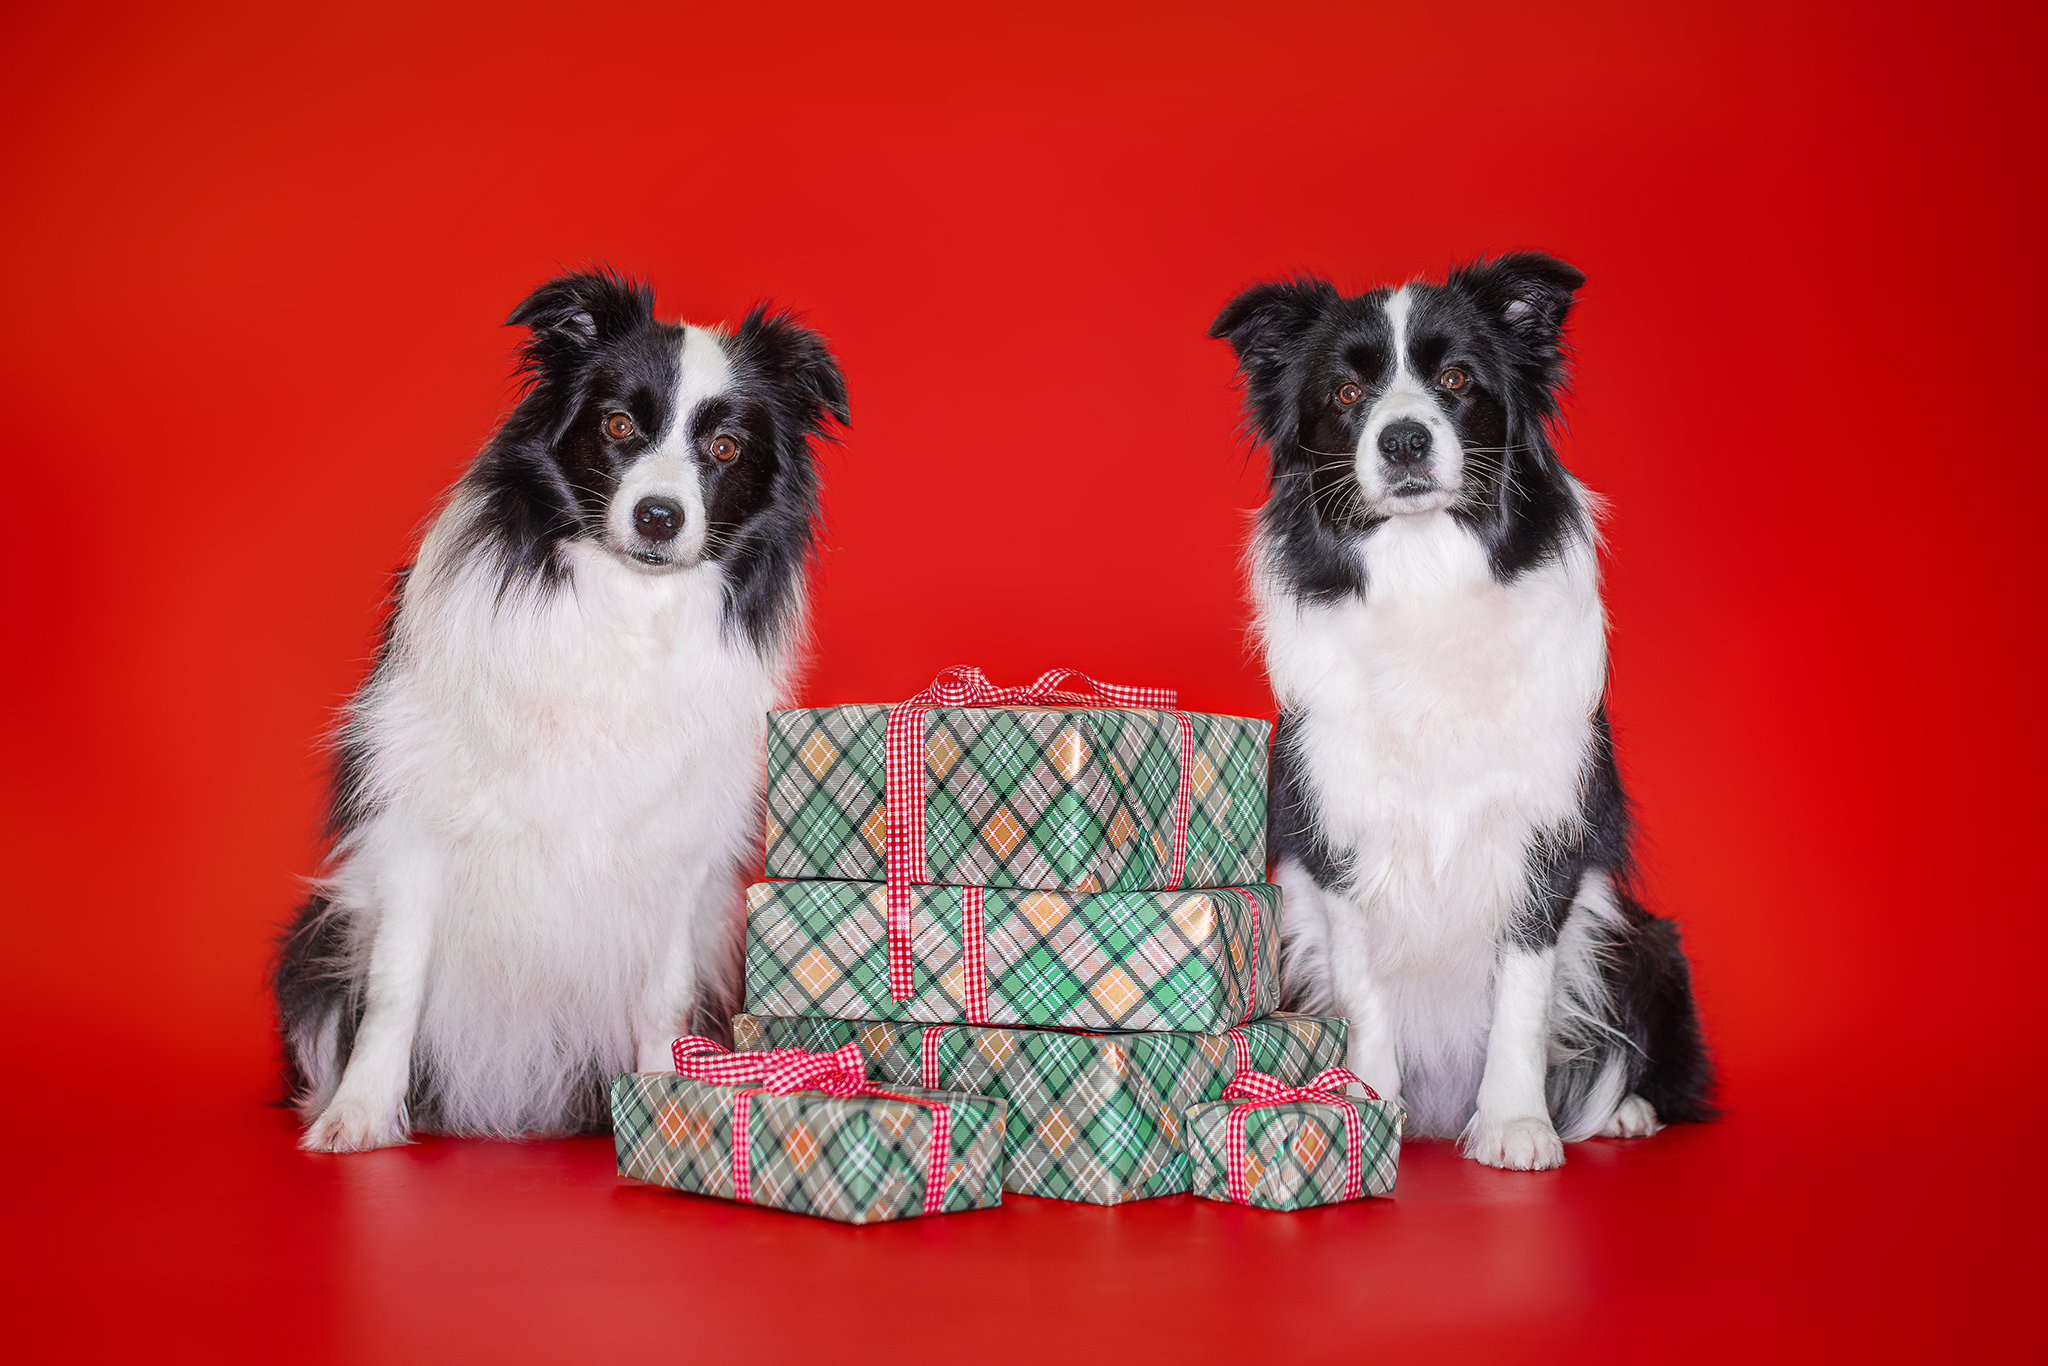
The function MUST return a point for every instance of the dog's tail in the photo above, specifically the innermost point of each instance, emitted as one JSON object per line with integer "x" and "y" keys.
{"x": 1652, "y": 983}
{"x": 318, "y": 1002}
{"x": 1622, "y": 1016}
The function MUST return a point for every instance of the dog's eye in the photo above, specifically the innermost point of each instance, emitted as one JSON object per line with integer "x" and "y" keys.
{"x": 618, "y": 426}
{"x": 1348, "y": 394}
{"x": 724, "y": 448}
{"x": 1454, "y": 379}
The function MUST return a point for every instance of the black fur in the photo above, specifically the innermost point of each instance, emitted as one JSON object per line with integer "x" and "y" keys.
{"x": 1501, "y": 322}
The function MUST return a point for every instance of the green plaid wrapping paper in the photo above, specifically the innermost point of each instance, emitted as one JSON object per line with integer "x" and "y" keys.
{"x": 858, "y": 1160}
{"x": 1062, "y": 960}
{"x": 1295, "y": 1152}
{"x": 1062, "y": 799}
{"x": 1093, "y": 1117}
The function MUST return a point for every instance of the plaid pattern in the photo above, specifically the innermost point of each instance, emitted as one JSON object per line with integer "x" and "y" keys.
{"x": 903, "y": 780}
{"x": 1294, "y": 1152}
{"x": 1055, "y": 798}
{"x": 1187, "y": 960}
{"x": 1093, "y": 1117}
{"x": 857, "y": 1160}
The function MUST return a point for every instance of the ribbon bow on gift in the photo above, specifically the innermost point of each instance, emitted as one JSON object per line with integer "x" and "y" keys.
{"x": 963, "y": 685}
{"x": 779, "y": 1071}
{"x": 1257, "y": 1090}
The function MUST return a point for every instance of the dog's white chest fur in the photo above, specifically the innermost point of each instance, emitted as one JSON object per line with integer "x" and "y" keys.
{"x": 1441, "y": 721}
{"x": 560, "y": 781}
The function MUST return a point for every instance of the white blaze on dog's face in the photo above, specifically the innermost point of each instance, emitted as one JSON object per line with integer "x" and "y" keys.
{"x": 658, "y": 515}
{"x": 1409, "y": 456}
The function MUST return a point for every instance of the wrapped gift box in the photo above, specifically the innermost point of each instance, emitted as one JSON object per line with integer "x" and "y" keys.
{"x": 1093, "y": 1117}
{"x": 1062, "y": 798}
{"x": 858, "y": 1159}
{"x": 1189, "y": 960}
{"x": 1294, "y": 1153}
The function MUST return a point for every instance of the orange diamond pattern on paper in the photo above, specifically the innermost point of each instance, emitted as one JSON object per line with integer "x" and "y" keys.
{"x": 773, "y": 832}
{"x": 894, "y": 1120}
{"x": 1069, "y": 753}
{"x": 1196, "y": 918}
{"x": 1116, "y": 991}
{"x": 996, "y": 1045}
{"x": 1002, "y": 832}
{"x": 672, "y": 1124}
{"x": 876, "y": 830}
{"x": 800, "y": 1146}
{"x": 1056, "y": 1131}
{"x": 1044, "y": 910}
{"x": 954, "y": 983}
{"x": 941, "y": 752}
{"x": 1309, "y": 1147}
{"x": 1121, "y": 828}
{"x": 815, "y": 971}
{"x": 1201, "y": 777}
{"x": 817, "y": 754}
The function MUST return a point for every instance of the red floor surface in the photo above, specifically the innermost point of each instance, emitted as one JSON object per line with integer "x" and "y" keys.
{"x": 1782, "y": 1233}
{"x": 255, "y": 262}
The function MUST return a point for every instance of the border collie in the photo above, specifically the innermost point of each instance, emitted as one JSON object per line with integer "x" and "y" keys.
{"x": 545, "y": 790}
{"x": 1447, "y": 819}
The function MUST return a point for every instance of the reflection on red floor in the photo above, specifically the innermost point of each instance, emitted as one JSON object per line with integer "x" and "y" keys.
{"x": 203, "y": 1233}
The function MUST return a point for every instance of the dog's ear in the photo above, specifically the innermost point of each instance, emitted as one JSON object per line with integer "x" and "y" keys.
{"x": 572, "y": 313}
{"x": 1529, "y": 291}
{"x": 1264, "y": 323}
{"x": 797, "y": 358}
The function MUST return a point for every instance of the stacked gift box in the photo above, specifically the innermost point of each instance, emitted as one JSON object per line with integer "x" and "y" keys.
{"x": 1048, "y": 907}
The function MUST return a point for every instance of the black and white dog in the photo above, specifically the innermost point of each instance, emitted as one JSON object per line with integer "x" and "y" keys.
{"x": 545, "y": 789}
{"x": 1447, "y": 818}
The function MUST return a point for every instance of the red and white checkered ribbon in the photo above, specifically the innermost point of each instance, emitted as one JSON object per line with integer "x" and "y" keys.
{"x": 782, "y": 1070}
{"x": 928, "y": 1057}
{"x": 1240, "y": 1050}
{"x": 903, "y": 789}
{"x": 1258, "y": 1089}
{"x": 973, "y": 954}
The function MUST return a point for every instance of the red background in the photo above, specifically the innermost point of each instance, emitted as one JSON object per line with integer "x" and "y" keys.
{"x": 255, "y": 266}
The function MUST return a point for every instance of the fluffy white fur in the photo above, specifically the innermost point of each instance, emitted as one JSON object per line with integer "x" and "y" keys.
{"x": 565, "y": 786}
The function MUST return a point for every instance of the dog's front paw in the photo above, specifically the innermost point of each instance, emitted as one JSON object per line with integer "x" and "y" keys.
{"x": 1633, "y": 1118}
{"x": 1521, "y": 1144}
{"x": 354, "y": 1126}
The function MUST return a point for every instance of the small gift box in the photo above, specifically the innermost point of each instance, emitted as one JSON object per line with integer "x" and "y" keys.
{"x": 1190, "y": 960}
{"x": 1276, "y": 1146}
{"x": 1093, "y": 1117}
{"x": 1066, "y": 784}
{"x": 806, "y": 1132}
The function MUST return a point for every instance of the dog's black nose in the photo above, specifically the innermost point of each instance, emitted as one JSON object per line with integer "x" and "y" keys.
{"x": 1405, "y": 442}
{"x": 657, "y": 519}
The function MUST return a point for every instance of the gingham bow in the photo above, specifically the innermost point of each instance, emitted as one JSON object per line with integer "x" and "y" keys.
{"x": 780, "y": 1071}
{"x": 963, "y": 685}
{"x": 1255, "y": 1090}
